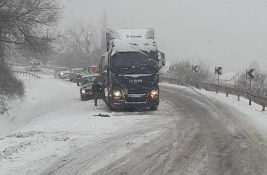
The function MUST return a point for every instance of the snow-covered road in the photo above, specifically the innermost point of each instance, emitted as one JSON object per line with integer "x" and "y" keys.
{"x": 53, "y": 132}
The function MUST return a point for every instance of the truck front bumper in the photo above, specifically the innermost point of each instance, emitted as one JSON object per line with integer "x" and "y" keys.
{"x": 124, "y": 104}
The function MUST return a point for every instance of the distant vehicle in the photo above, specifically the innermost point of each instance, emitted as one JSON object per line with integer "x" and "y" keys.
{"x": 34, "y": 66}
{"x": 132, "y": 63}
{"x": 87, "y": 82}
{"x": 62, "y": 72}
{"x": 76, "y": 74}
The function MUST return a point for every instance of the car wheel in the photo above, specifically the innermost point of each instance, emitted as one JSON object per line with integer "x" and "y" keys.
{"x": 154, "y": 108}
{"x": 83, "y": 98}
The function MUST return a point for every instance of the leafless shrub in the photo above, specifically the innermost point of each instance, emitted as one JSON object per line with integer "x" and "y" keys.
{"x": 258, "y": 84}
{"x": 4, "y": 107}
{"x": 182, "y": 71}
{"x": 10, "y": 87}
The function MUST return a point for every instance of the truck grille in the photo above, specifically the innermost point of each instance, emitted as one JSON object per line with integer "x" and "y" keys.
{"x": 135, "y": 100}
{"x": 137, "y": 90}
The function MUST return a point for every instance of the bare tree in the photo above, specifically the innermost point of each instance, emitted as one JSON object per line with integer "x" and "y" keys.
{"x": 182, "y": 71}
{"x": 21, "y": 21}
{"x": 78, "y": 47}
{"x": 22, "y": 27}
{"x": 258, "y": 83}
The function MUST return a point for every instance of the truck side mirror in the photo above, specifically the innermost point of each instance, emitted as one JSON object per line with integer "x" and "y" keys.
{"x": 163, "y": 63}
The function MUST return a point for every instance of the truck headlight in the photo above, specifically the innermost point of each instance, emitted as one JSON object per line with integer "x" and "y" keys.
{"x": 154, "y": 94}
{"x": 83, "y": 91}
{"x": 117, "y": 93}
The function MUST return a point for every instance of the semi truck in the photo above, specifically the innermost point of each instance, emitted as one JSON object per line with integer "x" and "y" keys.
{"x": 131, "y": 67}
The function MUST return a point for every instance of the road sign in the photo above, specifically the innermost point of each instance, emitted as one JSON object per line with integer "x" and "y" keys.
{"x": 250, "y": 74}
{"x": 195, "y": 69}
{"x": 218, "y": 70}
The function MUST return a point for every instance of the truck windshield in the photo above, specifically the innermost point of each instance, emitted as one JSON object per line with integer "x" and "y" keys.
{"x": 136, "y": 59}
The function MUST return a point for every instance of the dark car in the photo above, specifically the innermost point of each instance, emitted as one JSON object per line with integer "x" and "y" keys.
{"x": 76, "y": 74}
{"x": 87, "y": 82}
{"x": 62, "y": 72}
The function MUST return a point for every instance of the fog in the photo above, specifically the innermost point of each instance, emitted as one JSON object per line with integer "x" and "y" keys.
{"x": 223, "y": 33}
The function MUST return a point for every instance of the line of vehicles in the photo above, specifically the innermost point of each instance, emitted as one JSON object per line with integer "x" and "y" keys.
{"x": 128, "y": 72}
{"x": 84, "y": 77}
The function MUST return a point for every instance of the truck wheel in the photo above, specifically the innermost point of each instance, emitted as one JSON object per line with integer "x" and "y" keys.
{"x": 154, "y": 108}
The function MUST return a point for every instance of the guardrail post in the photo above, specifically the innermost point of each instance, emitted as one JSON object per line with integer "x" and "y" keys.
{"x": 206, "y": 87}
{"x": 249, "y": 101}
{"x": 238, "y": 97}
{"x": 216, "y": 90}
{"x": 263, "y": 107}
{"x": 226, "y": 94}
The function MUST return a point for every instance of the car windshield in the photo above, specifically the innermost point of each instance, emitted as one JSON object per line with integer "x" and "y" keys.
{"x": 87, "y": 80}
{"x": 77, "y": 70}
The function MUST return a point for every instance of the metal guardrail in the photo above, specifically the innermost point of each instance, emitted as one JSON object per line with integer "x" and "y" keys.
{"x": 258, "y": 99}
{"x": 24, "y": 73}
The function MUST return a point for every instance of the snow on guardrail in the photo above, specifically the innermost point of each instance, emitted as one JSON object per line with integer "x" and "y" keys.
{"x": 258, "y": 99}
{"x": 24, "y": 73}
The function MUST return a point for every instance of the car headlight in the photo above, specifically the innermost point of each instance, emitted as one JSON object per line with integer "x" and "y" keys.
{"x": 83, "y": 91}
{"x": 117, "y": 93}
{"x": 61, "y": 73}
{"x": 154, "y": 94}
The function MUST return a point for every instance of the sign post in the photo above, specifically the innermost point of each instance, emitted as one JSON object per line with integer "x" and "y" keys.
{"x": 250, "y": 75}
{"x": 195, "y": 70}
{"x": 218, "y": 71}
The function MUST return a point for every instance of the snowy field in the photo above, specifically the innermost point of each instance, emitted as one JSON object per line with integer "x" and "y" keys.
{"x": 51, "y": 122}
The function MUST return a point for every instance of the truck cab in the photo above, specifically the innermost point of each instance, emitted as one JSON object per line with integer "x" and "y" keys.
{"x": 132, "y": 67}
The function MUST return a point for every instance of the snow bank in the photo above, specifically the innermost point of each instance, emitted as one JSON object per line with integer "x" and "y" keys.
{"x": 41, "y": 96}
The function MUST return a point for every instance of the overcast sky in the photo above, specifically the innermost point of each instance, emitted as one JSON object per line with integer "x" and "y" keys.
{"x": 228, "y": 33}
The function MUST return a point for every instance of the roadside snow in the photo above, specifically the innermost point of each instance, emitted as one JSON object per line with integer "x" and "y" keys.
{"x": 51, "y": 122}
{"x": 252, "y": 114}
{"x": 41, "y": 96}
